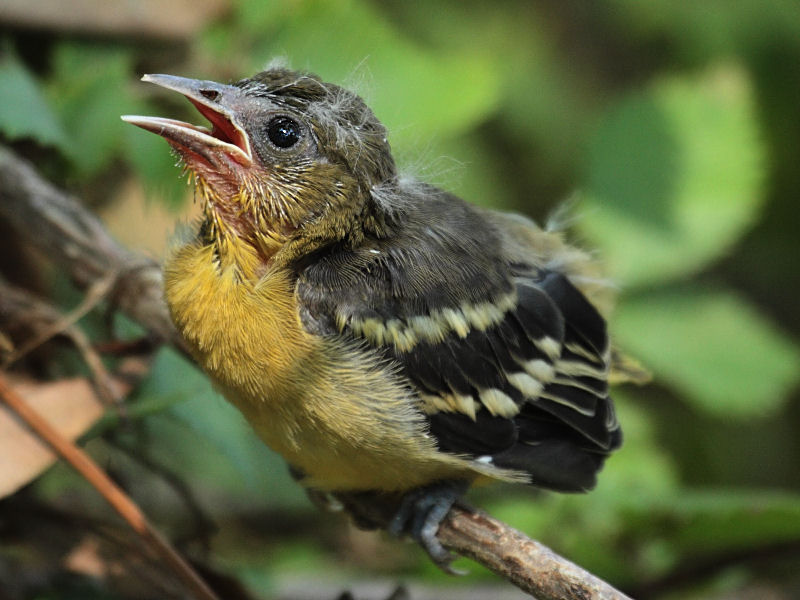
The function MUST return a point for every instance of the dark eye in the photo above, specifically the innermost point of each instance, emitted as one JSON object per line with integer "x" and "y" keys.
{"x": 283, "y": 132}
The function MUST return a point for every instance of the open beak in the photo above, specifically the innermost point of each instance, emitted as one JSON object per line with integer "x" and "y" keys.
{"x": 214, "y": 101}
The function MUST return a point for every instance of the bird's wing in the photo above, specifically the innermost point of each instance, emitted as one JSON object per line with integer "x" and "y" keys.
{"x": 509, "y": 360}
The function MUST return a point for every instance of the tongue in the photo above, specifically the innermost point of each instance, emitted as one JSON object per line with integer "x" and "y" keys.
{"x": 222, "y": 129}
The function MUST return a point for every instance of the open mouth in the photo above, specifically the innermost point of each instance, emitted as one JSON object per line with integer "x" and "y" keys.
{"x": 224, "y": 134}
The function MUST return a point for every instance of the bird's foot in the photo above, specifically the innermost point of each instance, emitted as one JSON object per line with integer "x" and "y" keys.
{"x": 421, "y": 512}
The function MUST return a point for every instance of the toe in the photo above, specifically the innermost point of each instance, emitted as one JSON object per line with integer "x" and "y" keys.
{"x": 421, "y": 513}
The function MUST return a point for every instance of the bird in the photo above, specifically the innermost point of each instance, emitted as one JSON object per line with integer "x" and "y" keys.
{"x": 387, "y": 338}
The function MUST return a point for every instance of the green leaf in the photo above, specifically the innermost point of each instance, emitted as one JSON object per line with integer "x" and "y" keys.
{"x": 200, "y": 407}
{"x": 219, "y": 430}
{"x": 546, "y": 95}
{"x": 675, "y": 176}
{"x": 24, "y": 111}
{"x": 88, "y": 88}
{"x": 693, "y": 523}
{"x": 714, "y": 520}
{"x": 712, "y": 345}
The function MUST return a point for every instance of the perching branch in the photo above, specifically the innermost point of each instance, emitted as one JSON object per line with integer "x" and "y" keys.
{"x": 74, "y": 238}
{"x": 524, "y": 562}
{"x": 529, "y": 565}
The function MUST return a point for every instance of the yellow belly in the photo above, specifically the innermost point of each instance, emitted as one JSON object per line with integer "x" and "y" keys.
{"x": 332, "y": 409}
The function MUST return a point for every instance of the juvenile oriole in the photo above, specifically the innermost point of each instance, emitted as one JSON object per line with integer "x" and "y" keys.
{"x": 381, "y": 334}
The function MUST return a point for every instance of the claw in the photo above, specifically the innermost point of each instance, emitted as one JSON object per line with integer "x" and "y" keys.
{"x": 420, "y": 514}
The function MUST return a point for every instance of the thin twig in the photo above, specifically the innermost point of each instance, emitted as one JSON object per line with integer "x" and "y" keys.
{"x": 95, "y": 294}
{"x": 126, "y": 508}
{"x": 22, "y": 308}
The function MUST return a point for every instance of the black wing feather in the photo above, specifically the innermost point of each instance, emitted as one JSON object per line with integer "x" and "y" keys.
{"x": 537, "y": 313}
{"x": 585, "y": 325}
{"x": 485, "y": 436}
{"x": 560, "y": 434}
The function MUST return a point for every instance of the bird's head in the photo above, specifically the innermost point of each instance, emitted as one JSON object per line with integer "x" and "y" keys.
{"x": 287, "y": 157}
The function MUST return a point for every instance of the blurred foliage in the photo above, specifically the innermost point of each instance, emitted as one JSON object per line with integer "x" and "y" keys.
{"x": 674, "y": 127}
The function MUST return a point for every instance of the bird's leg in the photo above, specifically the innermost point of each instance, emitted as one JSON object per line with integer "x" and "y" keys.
{"x": 417, "y": 513}
{"x": 421, "y": 512}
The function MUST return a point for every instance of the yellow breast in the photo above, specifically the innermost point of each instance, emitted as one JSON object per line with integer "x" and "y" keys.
{"x": 238, "y": 328}
{"x": 332, "y": 409}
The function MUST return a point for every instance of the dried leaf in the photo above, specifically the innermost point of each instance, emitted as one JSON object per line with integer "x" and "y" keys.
{"x": 70, "y": 406}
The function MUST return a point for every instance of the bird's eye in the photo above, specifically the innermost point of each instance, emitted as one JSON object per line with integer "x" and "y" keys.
{"x": 283, "y": 132}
